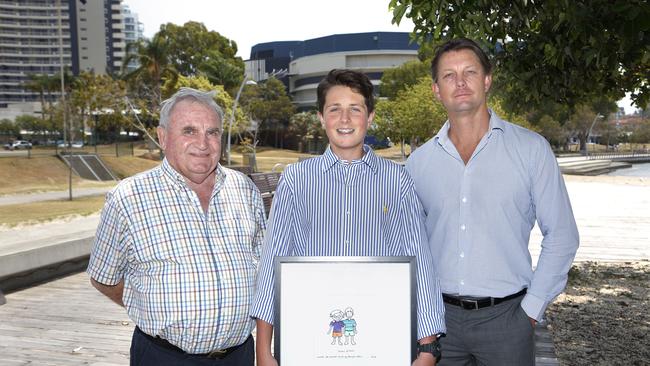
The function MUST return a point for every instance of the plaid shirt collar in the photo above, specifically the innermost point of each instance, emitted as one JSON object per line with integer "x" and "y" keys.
{"x": 178, "y": 181}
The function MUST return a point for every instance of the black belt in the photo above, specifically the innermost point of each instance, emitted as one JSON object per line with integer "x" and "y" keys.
{"x": 469, "y": 303}
{"x": 219, "y": 354}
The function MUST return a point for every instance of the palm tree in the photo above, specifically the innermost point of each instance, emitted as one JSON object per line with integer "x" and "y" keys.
{"x": 41, "y": 84}
{"x": 155, "y": 65}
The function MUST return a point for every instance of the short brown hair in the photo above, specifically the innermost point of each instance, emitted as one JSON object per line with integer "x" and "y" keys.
{"x": 456, "y": 45}
{"x": 354, "y": 80}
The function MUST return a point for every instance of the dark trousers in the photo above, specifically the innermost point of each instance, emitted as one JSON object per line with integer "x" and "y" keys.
{"x": 145, "y": 352}
{"x": 496, "y": 335}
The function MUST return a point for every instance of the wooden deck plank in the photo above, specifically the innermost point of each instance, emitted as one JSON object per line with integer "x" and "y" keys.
{"x": 64, "y": 322}
{"x": 67, "y": 322}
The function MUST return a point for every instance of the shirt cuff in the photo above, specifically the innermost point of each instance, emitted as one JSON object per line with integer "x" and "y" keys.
{"x": 431, "y": 324}
{"x": 534, "y": 306}
{"x": 261, "y": 315}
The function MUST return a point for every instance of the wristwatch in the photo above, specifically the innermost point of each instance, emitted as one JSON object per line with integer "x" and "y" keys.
{"x": 433, "y": 348}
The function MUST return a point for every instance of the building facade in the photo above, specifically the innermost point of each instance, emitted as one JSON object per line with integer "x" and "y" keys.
{"x": 307, "y": 62}
{"x": 91, "y": 32}
{"x": 133, "y": 32}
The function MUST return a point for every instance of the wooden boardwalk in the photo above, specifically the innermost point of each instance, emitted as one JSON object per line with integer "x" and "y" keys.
{"x": 63, "y": 322}
{"x": 66, "y": 322}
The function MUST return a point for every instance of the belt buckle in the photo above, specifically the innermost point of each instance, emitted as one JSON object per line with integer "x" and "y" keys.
{"x": 468, "y": 304}
{"x": 220, "y": 353}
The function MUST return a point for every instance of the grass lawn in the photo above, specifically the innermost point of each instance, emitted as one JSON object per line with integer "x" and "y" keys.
{"x": 20, "y": 175}
{"x": 12, "y": 215}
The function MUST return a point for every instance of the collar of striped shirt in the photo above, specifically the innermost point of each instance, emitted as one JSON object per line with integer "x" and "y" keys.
{"x": 329, "y": 159}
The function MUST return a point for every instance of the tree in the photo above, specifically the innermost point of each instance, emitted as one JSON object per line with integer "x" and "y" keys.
{"x": 640, "y": 134}
{"x": 194, "y": 51}
{"x": 552, "y": 131}
{"x": 100, "y": 95}
{"x": 145, "y": 81}
{"x": 398, "y": 78}
{"x": 565, "y": 51}
{"x": 43, "y": 84}
{"x": 8, "y": 129}
{"x": 415, "y": 115}
{"x": 580, "y": 124}
{"x": 306, "y": 128}
{"x": 268, "y": 104}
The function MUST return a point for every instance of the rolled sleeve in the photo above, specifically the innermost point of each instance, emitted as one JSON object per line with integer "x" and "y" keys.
{"x": 431, "y": 311}
{"x": 108, "y": 256}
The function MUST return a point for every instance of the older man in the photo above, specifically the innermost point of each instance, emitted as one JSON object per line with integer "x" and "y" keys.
{"x": 178, "y": 245}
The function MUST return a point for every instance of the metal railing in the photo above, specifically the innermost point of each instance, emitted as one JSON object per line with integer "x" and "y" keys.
{"x": 633, "y": 155}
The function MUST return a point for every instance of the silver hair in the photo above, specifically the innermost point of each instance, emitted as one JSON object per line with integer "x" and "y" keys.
{"x": 205, "y": 98}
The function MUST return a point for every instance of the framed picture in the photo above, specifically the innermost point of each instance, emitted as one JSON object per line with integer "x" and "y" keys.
{"x": 345, "y": 311}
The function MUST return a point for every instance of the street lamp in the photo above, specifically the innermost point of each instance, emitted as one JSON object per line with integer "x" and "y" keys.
{"x": 589, "y": 132}
{"x": 95, "y": 114}
{"x": 232, "y": 114}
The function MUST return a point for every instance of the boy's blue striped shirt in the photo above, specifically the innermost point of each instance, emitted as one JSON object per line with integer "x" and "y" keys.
{"x": 368, "y": 207}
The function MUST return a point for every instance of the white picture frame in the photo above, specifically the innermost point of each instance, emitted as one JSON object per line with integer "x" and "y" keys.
{"x": 376, "y": 302}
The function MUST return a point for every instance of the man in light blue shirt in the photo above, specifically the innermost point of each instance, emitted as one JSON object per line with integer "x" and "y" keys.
{"x": 348, "y": 202}
{"x": 483, "y": 183}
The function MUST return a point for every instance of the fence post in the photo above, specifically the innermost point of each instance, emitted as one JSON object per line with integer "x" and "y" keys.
{"x": 132, "y": 150}
{"x": 117, "y": 153}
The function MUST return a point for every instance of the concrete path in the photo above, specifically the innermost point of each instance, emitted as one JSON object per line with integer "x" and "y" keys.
{"x": 15, "y": 199}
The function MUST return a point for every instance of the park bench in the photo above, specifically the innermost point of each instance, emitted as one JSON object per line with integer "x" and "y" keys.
{"x": 241, "y": 168}
{"x": 267, "y": 183}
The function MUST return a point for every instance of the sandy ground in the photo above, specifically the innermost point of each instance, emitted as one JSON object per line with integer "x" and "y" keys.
{"x": 603, "y": 318}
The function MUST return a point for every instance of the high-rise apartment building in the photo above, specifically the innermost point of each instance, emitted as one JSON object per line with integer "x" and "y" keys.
{"x": 133, "y": 32}
{"x": 93, "y": 37}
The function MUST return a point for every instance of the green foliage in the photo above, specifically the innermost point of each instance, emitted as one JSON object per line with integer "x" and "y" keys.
{"x": 566, "y": 51}
{"x": 306, "y": 126}
{"x": 398, "y": 78}
{"x": 267, "y": 101}
{"x": 223, "y": 99}
{"x": 641, "y": 133}
{"x": 414, "y": 115}
{"x": 97, "y": 99}
{"x": 497, "y": 105}
{"x": 552, "y": 131}
{"x": 193, "y": 51}
{"x": 145, "y": 81}
{"x": 8, "y": 128}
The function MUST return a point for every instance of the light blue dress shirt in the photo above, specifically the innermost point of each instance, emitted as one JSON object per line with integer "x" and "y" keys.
{"x": 328, "y": 207}
{"x": 479, "y": 216}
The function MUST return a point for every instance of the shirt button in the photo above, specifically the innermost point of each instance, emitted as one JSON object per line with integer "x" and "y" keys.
{"x": 462, "y": 254}
{"x": 347, "y": 242}
{"x": 347, "y": 212}
{"x": 462, "y": 227}
{"x": 462, "y": 282}
{"x": 464, "y": 199}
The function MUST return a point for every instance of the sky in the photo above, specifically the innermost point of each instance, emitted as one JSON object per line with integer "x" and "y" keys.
{"x": 249, "y": 22}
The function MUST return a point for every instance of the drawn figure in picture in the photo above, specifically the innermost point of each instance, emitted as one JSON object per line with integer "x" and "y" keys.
{"x": 350, "y": 326}
{"x": 336, "y": 326}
